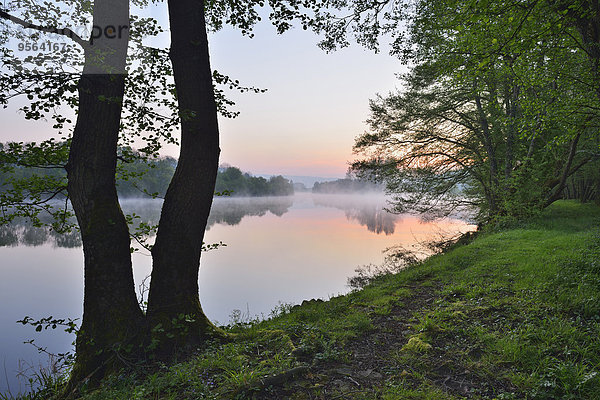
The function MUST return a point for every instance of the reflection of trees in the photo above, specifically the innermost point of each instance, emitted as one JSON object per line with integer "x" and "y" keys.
{"x": 224, "y": 210}
{"x": 34, "y": 236}
{"x": 8, "y": 237}
{"x": 231, "y": 211}
{"x": 19, "y": 232}
{"x": 375, "y": 219}
{"x": 228, "y": 211}
{"x": 366, "y": 210}
{"x": 70, "y": 240}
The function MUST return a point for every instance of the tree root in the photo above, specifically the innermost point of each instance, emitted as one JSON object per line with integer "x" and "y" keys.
{"x": 276, "y": 380}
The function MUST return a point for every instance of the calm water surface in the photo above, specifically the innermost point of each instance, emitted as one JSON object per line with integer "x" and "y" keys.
{"x": 279, "y": 250}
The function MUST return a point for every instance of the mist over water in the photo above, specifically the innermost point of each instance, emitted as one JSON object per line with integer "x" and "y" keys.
{"x": 367, "y": 209}
{"x": 279, "y": 249}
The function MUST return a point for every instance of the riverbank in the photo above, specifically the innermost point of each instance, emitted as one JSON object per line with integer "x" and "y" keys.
{"x": 514, "y": 314}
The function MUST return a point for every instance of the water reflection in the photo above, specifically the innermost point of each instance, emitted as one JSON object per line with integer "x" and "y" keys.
{"x": 231, "y": 211}
{"x": 284, "y": 249}
{"x": 20, "y": 233}
{"x": 366, "y": 210}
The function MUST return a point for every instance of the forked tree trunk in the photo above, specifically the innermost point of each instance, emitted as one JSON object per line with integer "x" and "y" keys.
{"x": 556, "y": 191}
{"x": 111, "y": 315}
{"x": 174, "y": 313}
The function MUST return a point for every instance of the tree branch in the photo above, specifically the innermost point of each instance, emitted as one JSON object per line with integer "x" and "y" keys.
{"x": 559, "y": 188}
{"x": 58, "y": 191}
{"x": 47, "y": 29}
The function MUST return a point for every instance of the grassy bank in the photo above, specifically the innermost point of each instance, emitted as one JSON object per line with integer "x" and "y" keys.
{"x": 513, "y": 315}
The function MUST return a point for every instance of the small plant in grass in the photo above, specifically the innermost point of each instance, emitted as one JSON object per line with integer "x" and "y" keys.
{"x": 417, "y": 344}
{"x": 431, "y": 323}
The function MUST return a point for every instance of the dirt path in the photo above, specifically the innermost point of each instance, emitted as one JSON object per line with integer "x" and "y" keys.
{"x": 376, "y": 359}
{"x": 366, "y": 363}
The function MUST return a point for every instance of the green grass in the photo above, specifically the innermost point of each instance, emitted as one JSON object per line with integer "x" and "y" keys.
{"x": 515, "y": 314}
{"x": 529, "y": 299}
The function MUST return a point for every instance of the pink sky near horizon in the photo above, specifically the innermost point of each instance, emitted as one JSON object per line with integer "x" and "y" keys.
{"x": 305, "y": 124}
{"x": 316, "y": 103}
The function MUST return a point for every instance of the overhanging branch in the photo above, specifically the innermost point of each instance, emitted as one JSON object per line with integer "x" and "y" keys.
{"x": 67, "y": 32}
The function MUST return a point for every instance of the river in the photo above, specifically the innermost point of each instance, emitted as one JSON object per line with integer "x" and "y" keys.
{"x": 278, "y": 250}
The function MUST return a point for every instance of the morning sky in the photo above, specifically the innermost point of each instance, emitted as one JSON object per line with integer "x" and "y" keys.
{"x": 304, "y": 124}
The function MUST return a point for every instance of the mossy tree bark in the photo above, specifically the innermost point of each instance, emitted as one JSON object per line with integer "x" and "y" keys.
{"x": 111, "y": 314}
{"x": 175, "y": 316}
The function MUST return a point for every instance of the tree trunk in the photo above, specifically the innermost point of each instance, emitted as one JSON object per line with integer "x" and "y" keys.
{"x": 111, "y": 315}
{"x": 174, "y": 313}
{"x": 588, "y": 25}
{"x": 512, "y": 96}
{"x": 556, "y": 191}
{"x": 490, "y": 150}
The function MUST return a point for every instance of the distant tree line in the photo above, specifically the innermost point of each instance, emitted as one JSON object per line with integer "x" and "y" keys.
{"x": 139, "y": 177}
{"x": 233, "y": 180}
{"x": 143, "y": 177}
{"x": 136, "y": 176}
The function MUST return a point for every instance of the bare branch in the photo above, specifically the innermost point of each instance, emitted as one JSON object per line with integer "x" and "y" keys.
{"x": 67, "y": 32}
